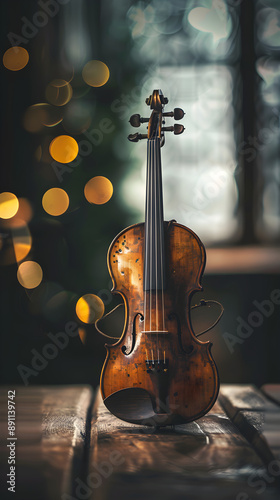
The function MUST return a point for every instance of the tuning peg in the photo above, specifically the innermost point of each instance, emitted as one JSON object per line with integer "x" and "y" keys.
{"x": 178, "y": 113}
{"x": 137, "y": 137}
{"x": 177, "y": 129}
{"x": 136, "y": 120}
{"x": 148, "y": 100}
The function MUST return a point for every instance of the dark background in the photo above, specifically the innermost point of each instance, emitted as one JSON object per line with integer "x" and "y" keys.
{"x": 72, "y": 248}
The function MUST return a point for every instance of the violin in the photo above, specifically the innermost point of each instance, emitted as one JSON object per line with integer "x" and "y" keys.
{"x": 157, "y": 373}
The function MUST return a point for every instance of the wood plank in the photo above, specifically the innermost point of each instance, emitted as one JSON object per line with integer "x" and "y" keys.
{"x": 256, "y": 416}
{"x": 272, "y": 391}
{"x": 244, "y": 397}
{"x": 51, "y": 436}
{"x": 64, "y": 436}
{"x": 208, "y": 458}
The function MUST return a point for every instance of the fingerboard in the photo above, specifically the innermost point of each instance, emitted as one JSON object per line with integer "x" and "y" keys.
{"x": 154, "y": 260}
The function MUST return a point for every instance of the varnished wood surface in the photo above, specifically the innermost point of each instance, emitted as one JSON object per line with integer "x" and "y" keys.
{"x": 209, "y": 458}
{"x": 190, "y": 386}
{"x": 51, "y": 438}
{"x": 272, "y": 391}
{"x": 61, "y": 456}
{"x": 257, "y": 417}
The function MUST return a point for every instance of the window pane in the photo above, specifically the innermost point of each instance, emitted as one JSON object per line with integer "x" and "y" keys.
{"x": 198, "y": 166}
{"x": 266, "y": 143}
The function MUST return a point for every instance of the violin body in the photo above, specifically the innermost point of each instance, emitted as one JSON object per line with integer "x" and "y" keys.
{"x": 158, "y": 373}
{"x": 144, "y": 392}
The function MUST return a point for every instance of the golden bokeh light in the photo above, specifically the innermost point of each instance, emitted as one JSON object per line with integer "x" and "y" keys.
{"x": 55, "y": 201}
{"x": 15, "y": 241}
{"x": 15, "y": 58}
{"x": 33, "y": 119}
{"x": 89, "y": 308}
{"x": 29, "y": 274}
{"x": 98, "y": 190}
{"x": 38, "y": 153}
{"x": 8, "y": 205}
{"x": 96, "y": 73}
{"x": 39, "y": 115}
{"x": 59, "y": 92}
{"x": 82, "y": 334}
{"x": 22, "y": 242}
{"x": 25, "y": 210}
{"x": 64, "y": 149}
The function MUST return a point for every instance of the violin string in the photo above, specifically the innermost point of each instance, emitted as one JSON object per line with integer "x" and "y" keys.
{"x": 156, "y": 230}
{"x": 147, "y": 215}
{"x": 161, "y": 241}
{"x": 151, "y": 249}
{"x": 161, "y": 258}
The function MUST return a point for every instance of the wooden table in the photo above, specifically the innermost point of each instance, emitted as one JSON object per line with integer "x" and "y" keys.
{"x": 69, "y": 447}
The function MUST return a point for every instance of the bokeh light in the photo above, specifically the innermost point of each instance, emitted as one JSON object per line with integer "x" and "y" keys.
{"x": 22, "y": 242}
{"x": 39, "y": 115}
{"x": 15, "y": 241}
{"x": 55, "y": 201}
{"x": 82, "y": 334}
{"x": 59, "y": 92}
{"x": 64, "y": 149}
{"x": 15, "y": 58}
{"x": 29, "y": 274}
{"x": 268, "y": 27}
{"x": 77, "y": 117}
{"x": 98, "y": 190}
{"x": 8, "y": 205}
{"x": 215, "y": 20}
{"x": 25, "y": 210}
{"x": 33, "y": 118}
{"x": 59, "y": 305}
{"x": 89, "y": 308}
{"x": 96, "y": 73}
{"x": 80, "y": 88}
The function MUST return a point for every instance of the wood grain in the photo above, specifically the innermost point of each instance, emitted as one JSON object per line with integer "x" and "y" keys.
{"x": 272, "y": 391}
{"x": 51, "y": 438}
{"x": 257, "y": 417}
{"x": 208, "y": 458}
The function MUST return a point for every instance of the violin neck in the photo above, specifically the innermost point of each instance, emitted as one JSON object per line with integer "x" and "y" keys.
{"x": 154, "y": 261}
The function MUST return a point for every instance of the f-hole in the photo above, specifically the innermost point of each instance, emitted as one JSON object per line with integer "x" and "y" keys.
{"x": 133, "y": 335}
